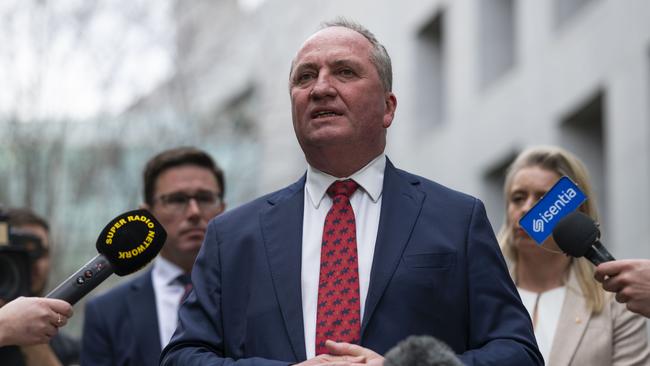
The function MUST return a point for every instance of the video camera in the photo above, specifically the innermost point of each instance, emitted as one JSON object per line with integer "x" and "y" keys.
{"x": 18, "y": 251}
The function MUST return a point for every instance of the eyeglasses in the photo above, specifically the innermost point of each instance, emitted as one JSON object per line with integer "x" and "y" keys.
{"x": 177, "y": 202}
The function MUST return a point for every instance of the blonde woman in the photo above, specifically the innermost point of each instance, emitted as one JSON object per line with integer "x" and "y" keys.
{"x": 575, "y": 321}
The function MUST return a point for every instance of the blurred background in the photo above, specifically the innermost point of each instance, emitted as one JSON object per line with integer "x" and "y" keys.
{"x": 90, "y": 89}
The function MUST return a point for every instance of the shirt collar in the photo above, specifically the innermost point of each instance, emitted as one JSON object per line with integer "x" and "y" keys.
{"x": 166, "y": 271}
{"x": 370, "y": 178}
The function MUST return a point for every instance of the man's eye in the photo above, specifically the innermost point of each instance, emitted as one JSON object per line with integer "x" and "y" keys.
{"x": 347, "y": 72}
{"x": 304, "y": 77}
{"x": 177, "y": 199}
{"x": 205, "y": 198}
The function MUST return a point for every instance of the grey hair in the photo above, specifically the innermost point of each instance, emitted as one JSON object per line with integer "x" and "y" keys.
{"x": 378, "y": 55}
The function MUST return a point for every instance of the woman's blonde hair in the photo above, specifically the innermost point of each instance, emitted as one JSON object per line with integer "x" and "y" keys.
{"x": 562, "y": 162}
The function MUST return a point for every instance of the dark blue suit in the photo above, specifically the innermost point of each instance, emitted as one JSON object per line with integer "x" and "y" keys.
{"x": 121, "y": 326}
{"x": 436, "y": 270}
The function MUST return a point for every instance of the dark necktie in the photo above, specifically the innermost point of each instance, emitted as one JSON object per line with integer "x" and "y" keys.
{"x": 338, "y": 311}
{"x": 185, "y": 280}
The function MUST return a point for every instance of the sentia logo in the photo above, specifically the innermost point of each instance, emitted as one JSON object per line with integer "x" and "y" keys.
{"x": 563, "y": 198}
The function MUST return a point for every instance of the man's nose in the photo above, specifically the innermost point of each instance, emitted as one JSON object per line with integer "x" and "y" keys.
{"x": 193, "y": 208}
{"x": 323, "y": 86}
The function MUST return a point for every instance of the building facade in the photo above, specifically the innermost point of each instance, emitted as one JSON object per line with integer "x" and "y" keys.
{"x": 476, "y": 82}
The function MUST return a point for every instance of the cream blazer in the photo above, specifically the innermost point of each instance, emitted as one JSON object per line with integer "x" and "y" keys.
{"x": 616, "y": 336}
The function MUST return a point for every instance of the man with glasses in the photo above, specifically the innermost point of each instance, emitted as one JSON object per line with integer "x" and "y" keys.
{"x": 129, "y": 325}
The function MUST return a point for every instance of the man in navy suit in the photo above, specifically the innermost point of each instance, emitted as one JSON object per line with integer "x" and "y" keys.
{"x": 425, "y": 259}
{"x": 130, "y": 324}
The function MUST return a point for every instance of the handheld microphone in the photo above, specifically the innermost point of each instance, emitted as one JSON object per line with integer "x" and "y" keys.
{"x": 421, "y": 351}
{"x": 127, "y": 243}
{"x": 578, "y": 236}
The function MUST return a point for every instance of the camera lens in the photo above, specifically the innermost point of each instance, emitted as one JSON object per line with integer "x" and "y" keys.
{"x": 10, "y": 279}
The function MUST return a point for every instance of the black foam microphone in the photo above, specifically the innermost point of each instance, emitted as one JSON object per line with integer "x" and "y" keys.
{"x": 421, "y": 351}
{"x": 578, "y": 236}
{"x": 127, "y": 243}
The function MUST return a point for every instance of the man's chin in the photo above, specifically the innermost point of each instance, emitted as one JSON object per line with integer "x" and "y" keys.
{"x": 327, "y": 133}
{"x": 191, "y": 245}
{"x": 193, "y": 236}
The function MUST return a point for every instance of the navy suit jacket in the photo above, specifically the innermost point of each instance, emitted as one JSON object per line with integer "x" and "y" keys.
{"x": 121, "y": 326}
{"x": 437, "y": 270}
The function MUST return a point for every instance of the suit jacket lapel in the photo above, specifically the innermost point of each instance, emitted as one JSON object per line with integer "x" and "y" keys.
{"x": 571, "y": 326}
{"x": 144, "y": 321}
{"x": 282, "y": 233}
{"x": 401, "y": 205}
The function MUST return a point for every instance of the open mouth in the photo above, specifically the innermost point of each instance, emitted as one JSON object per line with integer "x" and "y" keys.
{"x": 324, "y": 114}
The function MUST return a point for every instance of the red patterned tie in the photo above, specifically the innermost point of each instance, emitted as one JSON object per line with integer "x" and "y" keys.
{"x": 338, "y": 314}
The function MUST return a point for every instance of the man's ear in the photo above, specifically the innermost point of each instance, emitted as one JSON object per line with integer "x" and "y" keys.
{"x": 389, "y": 113}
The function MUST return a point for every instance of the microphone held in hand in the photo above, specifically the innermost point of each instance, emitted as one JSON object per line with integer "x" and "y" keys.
{"x": 126, "y": 244}
{"x": 578, "y": 236}
{"x": 421, "y": 351}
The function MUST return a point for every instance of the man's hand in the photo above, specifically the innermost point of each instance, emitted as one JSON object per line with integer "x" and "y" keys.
{"x": 32, "y": 320}
{"x": 630, "y": 280}
{"x": 332, "y": 360}
{"x": 345, "y": 354}
{"x": 352, "y": 350}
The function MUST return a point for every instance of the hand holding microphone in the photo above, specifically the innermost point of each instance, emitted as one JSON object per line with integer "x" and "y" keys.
{"x": 32, "y": 320}
{"x": 127, "y": 243}
{"x": 578, "y": 235}
{"x": 630, "y": 280}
